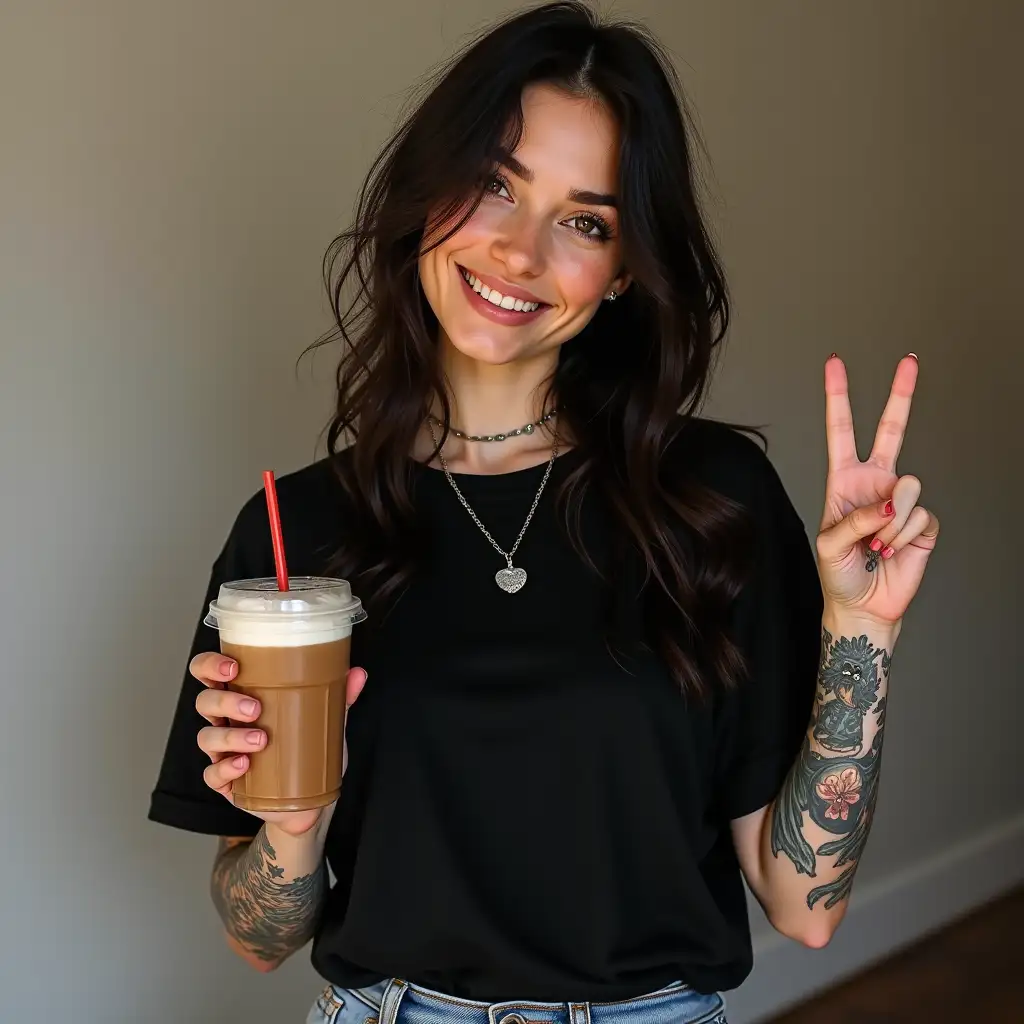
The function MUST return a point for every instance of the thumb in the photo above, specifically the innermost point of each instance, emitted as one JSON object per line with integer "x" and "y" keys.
{"x": 354, "y": 684}
{"x": 836, "y": 542}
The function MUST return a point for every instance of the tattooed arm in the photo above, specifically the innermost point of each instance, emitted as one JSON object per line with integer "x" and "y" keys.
{"x": 269, "y": 892}
{"x": 800, "y": 853}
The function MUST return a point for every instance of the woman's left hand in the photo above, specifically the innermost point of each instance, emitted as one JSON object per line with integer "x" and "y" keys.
{"x": 875, "y": 538}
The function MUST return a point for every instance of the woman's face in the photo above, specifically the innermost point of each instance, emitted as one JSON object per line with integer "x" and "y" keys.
{"x": 545, "y": 237}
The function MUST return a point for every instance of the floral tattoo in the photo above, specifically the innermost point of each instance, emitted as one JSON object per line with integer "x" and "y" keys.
{"x": 835, "y": 781}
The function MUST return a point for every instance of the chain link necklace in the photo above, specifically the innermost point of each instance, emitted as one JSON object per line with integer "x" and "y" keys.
{"x": 512, "y": 578}
{"x": 526, "y": 429}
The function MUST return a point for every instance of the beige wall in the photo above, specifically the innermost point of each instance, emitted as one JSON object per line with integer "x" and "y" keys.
{"x": 170, "y": 174}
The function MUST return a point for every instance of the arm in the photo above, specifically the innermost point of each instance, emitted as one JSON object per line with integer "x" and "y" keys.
{"x": 269, "y": 892}
{"x": 799, "y": 854}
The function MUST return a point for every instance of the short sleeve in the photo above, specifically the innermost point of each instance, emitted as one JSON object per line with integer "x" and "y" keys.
{"x": 777, "y": 624}
{"x": 181, "y": 797}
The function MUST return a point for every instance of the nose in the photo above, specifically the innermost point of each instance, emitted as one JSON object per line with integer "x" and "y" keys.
{"x": 519, "y": 245}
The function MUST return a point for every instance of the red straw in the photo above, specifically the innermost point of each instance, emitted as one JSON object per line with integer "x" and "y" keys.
{"x": 276, "y": 535}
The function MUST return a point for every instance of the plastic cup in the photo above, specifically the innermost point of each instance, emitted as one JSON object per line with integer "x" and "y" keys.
{"x": 292, "y": 648}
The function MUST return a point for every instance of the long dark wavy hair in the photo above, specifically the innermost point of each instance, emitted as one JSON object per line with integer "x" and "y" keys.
{"x": 627, "y": 385}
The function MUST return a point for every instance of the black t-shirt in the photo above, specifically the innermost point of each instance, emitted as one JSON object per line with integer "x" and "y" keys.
{"x": 525, "y": 815}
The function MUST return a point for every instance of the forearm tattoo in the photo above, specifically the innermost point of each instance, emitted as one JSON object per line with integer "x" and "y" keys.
{"x": 268, "y": 916}
{"x": 835, "y": 777}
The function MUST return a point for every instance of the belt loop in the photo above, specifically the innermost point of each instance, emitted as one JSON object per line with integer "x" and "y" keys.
{"x": 396, "y": 988}
{"x": 579, "y": 1013}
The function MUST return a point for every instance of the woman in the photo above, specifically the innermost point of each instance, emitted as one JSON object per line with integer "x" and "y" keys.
{"x": 597, "y": 630}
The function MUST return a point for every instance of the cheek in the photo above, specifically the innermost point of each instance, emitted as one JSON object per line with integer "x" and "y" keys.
{"x": 582, "y": 275}
{"x": 435, "y": 266}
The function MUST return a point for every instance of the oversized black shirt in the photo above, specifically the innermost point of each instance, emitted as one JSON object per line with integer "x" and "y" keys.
{"x": 525, "y": 814}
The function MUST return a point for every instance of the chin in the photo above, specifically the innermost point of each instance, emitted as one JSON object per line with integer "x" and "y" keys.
{"x": 486, "y": 347}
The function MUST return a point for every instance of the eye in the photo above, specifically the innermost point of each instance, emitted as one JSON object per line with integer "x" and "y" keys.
{"x": 589, "y": 225}
{"x": 495, "y": 185}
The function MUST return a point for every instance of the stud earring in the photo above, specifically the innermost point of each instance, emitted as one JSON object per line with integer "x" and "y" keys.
{"x": 612, "y": 296}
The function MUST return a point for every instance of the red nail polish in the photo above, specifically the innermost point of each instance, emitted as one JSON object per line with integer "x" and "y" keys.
{"x": 876, "y": 545}
{"x": 889, "y": 508}
{"x": 889, "y": 552}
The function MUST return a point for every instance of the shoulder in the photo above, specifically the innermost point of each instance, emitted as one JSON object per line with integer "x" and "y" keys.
{"x": 311, "y": 502}
{"x": 300, "y": 496}
{"x": 726, "y": 458}
{"x": 734, "y": 464}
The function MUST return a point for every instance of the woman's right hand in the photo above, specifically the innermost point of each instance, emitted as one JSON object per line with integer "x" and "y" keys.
{"x": 229, "y": 747}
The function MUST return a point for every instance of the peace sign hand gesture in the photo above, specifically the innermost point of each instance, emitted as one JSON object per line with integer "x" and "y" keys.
{"x": 875, "y": 540}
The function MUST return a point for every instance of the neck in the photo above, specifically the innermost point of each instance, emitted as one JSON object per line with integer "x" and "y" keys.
{"x": 488, "y": 399}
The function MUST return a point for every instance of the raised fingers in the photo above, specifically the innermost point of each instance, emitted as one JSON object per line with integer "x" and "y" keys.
{"x": 892, "y": 427}
{"x": 839, "y": 435}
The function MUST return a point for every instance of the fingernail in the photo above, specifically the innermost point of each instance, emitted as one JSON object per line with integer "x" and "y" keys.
{"x": 834, "y": 354}
{"x": 889, "y": 552}
{"x": 888, "y": 508}
{"x": 255, "y": 737}
{"x": 226, "y": 668}
{"x": 876, "y": 545}
{"x": 239, "y": 762}
{"x": 247, "y": 706}
{"x": 913, "y": 355}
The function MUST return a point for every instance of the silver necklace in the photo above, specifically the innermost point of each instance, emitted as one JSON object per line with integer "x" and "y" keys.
{"x": 528, "y": 428}
{"x": 512, "y": 578}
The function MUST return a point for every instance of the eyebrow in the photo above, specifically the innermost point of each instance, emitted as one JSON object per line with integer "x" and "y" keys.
{"x": 577, "y": 195}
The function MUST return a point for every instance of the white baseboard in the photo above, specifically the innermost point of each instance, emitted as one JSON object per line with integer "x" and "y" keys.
{"x": 883, "y": 917}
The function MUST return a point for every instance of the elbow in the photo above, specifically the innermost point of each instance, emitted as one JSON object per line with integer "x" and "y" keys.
{"x": 818, "y": 938}
{"x": 812, "y": 932}
{"x": 255, "y": 962}
{"x": 263, "y": 966}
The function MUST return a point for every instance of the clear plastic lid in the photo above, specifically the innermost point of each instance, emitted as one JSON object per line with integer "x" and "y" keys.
{"x": 312, "y": 610}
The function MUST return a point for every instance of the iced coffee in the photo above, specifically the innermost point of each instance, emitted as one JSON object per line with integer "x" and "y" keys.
{"x": 292, "y": 648}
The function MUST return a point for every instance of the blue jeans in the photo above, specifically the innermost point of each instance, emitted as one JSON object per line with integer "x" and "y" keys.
{"x": 398, "y": 1002}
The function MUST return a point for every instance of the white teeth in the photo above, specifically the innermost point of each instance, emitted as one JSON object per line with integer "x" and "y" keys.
{"x": 496, "y": 298}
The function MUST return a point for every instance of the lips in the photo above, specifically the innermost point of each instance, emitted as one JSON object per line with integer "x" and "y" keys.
{"x": 500, "y": 306}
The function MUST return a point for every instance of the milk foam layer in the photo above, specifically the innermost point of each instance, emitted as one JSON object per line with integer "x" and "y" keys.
{"x": 253, "y": 613}
{"x": 294, "y": 633}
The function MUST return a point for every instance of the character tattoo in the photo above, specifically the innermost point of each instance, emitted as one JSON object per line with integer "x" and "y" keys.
{"x": 270, "y": 917}
{"x": 837, "y": 789}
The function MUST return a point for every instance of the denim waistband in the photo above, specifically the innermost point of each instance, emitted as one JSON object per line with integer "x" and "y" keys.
{"x": 401, "y": 1002}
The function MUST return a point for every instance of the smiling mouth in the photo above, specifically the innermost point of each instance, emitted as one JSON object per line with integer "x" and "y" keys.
{"x": 495, "y": 298}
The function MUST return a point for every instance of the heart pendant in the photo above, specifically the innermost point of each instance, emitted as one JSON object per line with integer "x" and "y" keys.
{"x": 510, "y": 580}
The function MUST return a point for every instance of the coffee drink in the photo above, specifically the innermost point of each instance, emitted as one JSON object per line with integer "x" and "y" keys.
{"x": 292, "y": 648}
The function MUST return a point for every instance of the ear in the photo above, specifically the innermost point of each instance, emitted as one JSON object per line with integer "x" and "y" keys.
{"x": 621, "y": 283}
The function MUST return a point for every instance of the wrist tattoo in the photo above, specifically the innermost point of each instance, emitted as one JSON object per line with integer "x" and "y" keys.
{"x": 835, "y": 779}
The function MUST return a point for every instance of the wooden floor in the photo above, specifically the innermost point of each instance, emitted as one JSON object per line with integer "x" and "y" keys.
{"x": 972, "y": 971}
